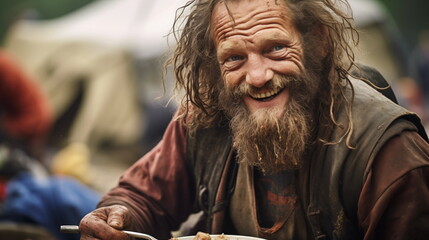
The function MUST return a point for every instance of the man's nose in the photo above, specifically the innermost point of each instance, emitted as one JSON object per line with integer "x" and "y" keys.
{"x": 258, "y": 71}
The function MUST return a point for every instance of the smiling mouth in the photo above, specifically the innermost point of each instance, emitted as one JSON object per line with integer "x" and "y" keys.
{"x": 266, "y": 96}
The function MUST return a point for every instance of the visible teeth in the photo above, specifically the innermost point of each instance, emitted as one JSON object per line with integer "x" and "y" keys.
{"x": 265, "y": 94}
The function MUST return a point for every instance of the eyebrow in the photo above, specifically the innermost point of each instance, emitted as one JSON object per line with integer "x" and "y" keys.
{"x": 229, "y": 46}
{"x": 279, "y": 36}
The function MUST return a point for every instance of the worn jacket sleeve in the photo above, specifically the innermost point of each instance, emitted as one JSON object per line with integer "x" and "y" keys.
{"x": 158, "y": 188}
{"x": 394, "y": 203}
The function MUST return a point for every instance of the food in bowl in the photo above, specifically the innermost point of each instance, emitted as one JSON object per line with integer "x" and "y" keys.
{"x": 206, "y": 236}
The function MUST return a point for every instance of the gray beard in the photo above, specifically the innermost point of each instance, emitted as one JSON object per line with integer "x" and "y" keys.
{"x": 266, "y": 141}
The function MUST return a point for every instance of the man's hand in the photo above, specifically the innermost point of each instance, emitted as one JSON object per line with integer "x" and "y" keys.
{"x": 105, "y": 223}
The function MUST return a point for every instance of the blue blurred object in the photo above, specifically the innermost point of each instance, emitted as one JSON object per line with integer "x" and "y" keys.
{"x": 49, "y": 202}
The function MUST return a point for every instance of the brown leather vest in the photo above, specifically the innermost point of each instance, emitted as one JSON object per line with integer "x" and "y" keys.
{"x": 330, "y": 193}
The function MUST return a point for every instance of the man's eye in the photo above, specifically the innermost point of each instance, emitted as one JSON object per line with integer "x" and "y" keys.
{"x": 234, "y": 58}
{"x": 278, "y": 47}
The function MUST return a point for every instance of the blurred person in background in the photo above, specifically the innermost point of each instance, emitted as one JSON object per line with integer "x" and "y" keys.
{"x": 33, "y": 204}
{"x": 421, "y": 57}
{"x": 25, "y": 114}
{"x": 277, "y": 136}
{"x": 383, "y": 46}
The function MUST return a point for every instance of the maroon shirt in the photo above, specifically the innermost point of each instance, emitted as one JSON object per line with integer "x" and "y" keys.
{"x": 394, "y": 202}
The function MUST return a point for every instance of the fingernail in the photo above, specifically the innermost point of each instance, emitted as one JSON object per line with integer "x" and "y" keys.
{"x": 114, "y": 222}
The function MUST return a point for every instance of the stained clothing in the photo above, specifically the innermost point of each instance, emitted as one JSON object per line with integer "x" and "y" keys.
{"x": 291, "y": 216}
{"x": 161, "y": 188}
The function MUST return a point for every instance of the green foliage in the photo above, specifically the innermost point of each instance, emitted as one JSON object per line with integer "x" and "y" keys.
{"x": 410, "y": 16}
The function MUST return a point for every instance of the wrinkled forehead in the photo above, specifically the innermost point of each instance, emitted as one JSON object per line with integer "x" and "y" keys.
{"x": 232, "y": 9}
{"x": 231, "y": 15}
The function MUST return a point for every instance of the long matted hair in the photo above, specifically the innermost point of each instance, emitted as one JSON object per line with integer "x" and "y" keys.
{"x": 197, "y": 70}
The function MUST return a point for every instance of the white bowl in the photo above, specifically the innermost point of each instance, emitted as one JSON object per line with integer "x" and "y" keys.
{"x": 230, "y": 237}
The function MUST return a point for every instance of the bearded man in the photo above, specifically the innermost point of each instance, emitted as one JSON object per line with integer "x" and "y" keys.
{"x": 276, "y": 138}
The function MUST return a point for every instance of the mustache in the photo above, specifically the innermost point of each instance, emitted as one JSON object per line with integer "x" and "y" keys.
{"x": 279, "y": 81}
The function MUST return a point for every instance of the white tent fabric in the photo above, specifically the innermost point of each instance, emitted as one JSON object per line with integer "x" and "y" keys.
{"x": 139, "y": 25}
{"x": 96, "y": 46}
{"x": 366, "y": 12}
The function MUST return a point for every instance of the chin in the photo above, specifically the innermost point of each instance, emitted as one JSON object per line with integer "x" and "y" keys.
{"x": 262, "y": 114}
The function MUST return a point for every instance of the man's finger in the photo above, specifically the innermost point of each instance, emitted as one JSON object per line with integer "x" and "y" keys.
{"x": 116, "y": 216}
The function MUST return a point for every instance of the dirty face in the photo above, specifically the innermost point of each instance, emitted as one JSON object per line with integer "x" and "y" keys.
{"x": 256, "y": 43}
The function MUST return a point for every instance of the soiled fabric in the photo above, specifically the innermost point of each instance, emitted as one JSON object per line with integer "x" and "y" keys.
{"x": 159, "y": 188}
{"x": 290, "y": 215}
{"x": 394, "y": 203}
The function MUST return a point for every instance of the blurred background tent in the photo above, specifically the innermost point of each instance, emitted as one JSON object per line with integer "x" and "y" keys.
{"x": 127, "y": 35}
{"x": 100, "y": 63}
{"x": 101, "y": 68}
